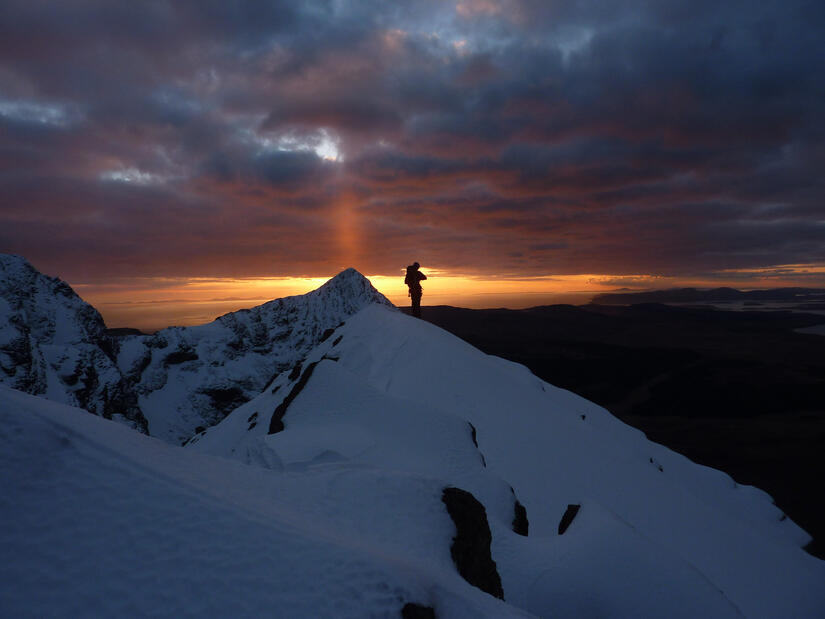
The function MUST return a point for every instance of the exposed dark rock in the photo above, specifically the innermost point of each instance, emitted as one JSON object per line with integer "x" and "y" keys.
{"x": 295, "y": 373}
{"x": 157, "y": 341}
{"x": 277, "y": 424}
{"x": 121, "y": 400}
{"x": 145, "y": 361}
{"x": 325, "y": 335}
{"x": 337, "y": 340}
{"x": 567, "y": 518}
{"x": 252, "y": 417}
{"x": 417, "y": 611}
{"x": 70, "y": 379}
{"x": 471, "y": 545}
{"x": 180, "y": 356}
{"x": 109, "y": 346}
{"x": 273, "y": 377}
{"x": 473, "y": 434}
{"x": 123, "y": 331}
{"x": 475, "y": 442}
{"x": 520, "y": 523}
{"x": 225, "y": 400}
{"x": 90, "y": 380}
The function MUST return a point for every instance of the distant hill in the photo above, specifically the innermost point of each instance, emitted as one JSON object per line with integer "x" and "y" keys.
{"x": 713, "y": 295}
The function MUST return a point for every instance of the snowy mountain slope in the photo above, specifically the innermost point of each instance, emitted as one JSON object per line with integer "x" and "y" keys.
{"x": 54, "y": 344}
{"x": 98, "y": 520}
{"x": 186, "y": 377}
{"x": 171, "y": 383}
{"x": 656, "y": 534}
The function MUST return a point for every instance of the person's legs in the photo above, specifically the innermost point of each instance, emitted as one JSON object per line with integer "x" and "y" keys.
{"x": 416, "y": 304}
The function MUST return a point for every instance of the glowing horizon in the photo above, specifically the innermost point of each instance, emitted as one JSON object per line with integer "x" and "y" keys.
{"x": 150, "y": 303}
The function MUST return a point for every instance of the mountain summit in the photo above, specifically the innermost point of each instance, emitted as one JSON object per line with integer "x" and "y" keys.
{"x": 171, "y": 383}
{"x": 189, "y": 378}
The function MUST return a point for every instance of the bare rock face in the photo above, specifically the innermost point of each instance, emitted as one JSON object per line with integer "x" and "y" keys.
{"x": 568, "y": 517}
{"x": 520, "y": 523}
{"x": 471, "y": 544}
{"x": 417, "y": 611}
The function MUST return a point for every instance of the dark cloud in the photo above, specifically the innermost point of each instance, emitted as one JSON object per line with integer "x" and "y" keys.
{"x": 534, "y": 137}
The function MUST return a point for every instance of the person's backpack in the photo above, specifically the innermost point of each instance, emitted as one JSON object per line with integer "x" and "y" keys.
{"x": 410, "y": 279}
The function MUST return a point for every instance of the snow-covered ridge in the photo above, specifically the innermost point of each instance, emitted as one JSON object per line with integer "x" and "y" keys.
{"x": 173, "y": 382}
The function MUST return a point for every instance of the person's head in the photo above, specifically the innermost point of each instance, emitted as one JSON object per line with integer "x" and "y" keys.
{"x": 416, "y": 265}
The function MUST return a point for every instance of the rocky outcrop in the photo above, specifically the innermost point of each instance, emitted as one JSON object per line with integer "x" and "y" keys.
{"x": 276, "y": 423}
{"x": 568, "y": 517}
{"x": 520, "y": 523}
{"x": 417, "y": 611}
{"x": 471, "y": 545}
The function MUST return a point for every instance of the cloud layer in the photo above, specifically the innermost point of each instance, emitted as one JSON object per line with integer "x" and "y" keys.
{"x": 487, "y": 137}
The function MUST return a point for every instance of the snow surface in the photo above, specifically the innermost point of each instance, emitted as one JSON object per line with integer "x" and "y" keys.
{"x": 657, "y": 535}
{"x": 97, "y": 520}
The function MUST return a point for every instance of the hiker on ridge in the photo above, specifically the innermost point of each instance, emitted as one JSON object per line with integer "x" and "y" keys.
{"x": 413, "y": 281}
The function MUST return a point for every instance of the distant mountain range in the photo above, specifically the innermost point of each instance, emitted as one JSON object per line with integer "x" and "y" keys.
{"x": 352, "y": 461}
{"x": 713, "y": 295}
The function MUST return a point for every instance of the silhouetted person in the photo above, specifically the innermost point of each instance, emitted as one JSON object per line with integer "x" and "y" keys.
{"x": 413, "y": 280}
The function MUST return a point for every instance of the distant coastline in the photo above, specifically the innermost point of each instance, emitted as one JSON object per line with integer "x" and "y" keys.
{"x": 797, "y": 300}
{"x": 811, "y": 298}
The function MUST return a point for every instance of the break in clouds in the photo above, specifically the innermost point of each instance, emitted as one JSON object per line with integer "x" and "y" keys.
{"x": 485, "y": 137}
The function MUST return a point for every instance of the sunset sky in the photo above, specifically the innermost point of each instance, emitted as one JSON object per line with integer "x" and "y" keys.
{"x": 176, "y": 160}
